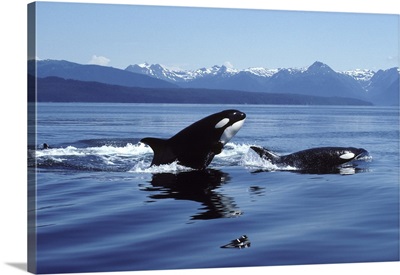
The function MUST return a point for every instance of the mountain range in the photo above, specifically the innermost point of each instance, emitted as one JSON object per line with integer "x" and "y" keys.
{"x": 317, "y": 80}
{"x": 381, "y": 87}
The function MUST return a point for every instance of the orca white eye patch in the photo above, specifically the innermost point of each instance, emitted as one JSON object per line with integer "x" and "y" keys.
{"x": 222, "y": 123}
{"x": 348, "y": 155}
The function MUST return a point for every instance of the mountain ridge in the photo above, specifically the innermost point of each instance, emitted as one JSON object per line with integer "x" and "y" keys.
{"x": 318, "y": 79}
{"x": 89, "y": 72}
{"x": 156, "y": 70}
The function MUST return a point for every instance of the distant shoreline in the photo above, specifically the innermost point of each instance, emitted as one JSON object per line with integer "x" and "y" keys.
{"x": 56, "y": 89}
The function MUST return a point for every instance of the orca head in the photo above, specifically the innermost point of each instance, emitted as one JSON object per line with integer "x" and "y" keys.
{"x": 353, "y": 153}
{"x": 361, "y": 153}
{"x": 228, "y": 123}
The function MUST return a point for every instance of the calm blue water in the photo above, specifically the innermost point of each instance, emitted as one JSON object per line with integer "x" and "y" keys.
{"x": 101, "y": 208}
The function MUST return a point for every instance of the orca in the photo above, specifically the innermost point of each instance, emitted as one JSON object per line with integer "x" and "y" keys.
{"x": 196, "y": 145}
{"x": 45, "y": 146}
{"x": 313, "y": 159}
{"x": 241, "y": 242}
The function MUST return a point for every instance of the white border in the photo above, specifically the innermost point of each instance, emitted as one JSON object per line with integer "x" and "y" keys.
{"x": 13, "y": 128}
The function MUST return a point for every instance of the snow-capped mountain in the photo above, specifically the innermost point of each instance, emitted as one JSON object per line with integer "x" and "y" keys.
{"x": 162, "y": 72}
{"x": 113, "y": 76}
{"x": 262, "y": 72}
{"x": 316, "y": 79}
{"x": 362, "y": 76}
{"x": 258, "y": 79}
{"x": 384, "y": 87}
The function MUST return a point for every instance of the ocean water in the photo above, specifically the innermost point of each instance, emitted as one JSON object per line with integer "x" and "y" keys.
{"x": 101, "y": 207}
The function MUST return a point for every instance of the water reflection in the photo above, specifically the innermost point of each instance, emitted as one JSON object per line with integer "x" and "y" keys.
{"x": 198, "y": 186}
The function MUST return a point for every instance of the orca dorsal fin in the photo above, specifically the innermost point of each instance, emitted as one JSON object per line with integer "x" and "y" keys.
{"x": 265, "y": 153}
{"x": 162, "y": 151}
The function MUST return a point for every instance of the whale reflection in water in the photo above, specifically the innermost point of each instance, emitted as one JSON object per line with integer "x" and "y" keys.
{"x": 199, "y": 186}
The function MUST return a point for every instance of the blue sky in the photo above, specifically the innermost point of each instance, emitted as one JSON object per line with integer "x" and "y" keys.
{"x": 191, "y": 38}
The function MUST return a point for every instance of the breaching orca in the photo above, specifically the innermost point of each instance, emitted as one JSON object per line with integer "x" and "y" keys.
{"x": 196, "y": 145}
{"x": 315, "y": 158}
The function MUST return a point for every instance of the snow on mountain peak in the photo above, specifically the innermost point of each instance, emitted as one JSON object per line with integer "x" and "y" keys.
{"x": 260, "y": 71}
{"x": 159, "y": 71}
{"x": 361, "y": 75}
{"x": 177, "y": 75}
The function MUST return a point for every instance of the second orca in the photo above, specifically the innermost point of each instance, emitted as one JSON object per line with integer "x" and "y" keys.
{"x": 315, "y": 158}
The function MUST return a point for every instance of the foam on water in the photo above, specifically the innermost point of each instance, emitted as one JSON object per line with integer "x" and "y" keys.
{"x": 366, "y": 158}
{"x": 136, "y": 158}
{"x": 252, "y": 161}
{"x": 233, "y": 150}
{"x": 101, "y": 158}
{"x": 128, "y": 150}
{"x": 143, "y": 167}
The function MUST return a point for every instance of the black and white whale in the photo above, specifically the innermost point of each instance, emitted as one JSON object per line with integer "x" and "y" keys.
{"x": 322, "y": 158}
{"x": 196, "y": 145}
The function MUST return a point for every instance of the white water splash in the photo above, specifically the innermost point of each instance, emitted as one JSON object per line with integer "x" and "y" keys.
{"x": 137, "y": 158}
{"x": 126, "y": 151}
{"x": 232, "y": 150}
{"x": 143, "y": 167}
{"x": 253, "y": 161}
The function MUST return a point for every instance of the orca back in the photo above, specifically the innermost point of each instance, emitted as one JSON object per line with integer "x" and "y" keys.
{"x": 322, "y": 157}
{"x": 266, "y": 154}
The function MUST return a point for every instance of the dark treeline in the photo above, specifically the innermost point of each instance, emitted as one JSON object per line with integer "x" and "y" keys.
{"x": 55, "y": 89}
